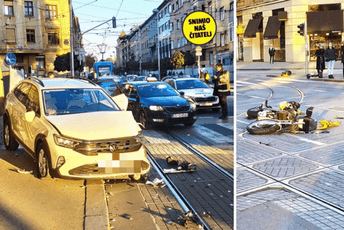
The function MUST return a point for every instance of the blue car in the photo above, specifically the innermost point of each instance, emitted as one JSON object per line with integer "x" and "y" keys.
{"x": 154, "y": 103}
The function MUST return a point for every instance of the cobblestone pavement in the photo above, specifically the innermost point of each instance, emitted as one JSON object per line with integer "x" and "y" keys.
{"x": 290, "y": 181}
{"x": 206, "y": 189}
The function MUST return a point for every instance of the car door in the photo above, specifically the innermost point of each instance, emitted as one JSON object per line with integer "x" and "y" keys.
{"x": 133, "y": 99}
{"x": 34, "y": 127}
{"x": 18, "y": 109}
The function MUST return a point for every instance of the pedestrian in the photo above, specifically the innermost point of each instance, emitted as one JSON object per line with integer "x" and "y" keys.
{"x": 342, "y": 55}
{"x": 320, "y": 54}
{"x": 206, "y": 77}
{"x": 272, "y": 54}
{"x": 331, "y": 58}
{"x": 222, "y": 88}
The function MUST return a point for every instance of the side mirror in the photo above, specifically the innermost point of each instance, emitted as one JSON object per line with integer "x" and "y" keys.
{"x": 29, "y": 116}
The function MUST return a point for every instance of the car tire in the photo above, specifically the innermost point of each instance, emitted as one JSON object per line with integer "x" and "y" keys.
{"x": 142, "y": 118}
{"x": 10, "y": 142}
{"x": 43, "y": 160}
{"x": 189, "y": 123}
{"x": 215, "y": 110}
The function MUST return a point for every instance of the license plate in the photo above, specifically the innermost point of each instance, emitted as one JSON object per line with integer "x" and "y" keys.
{"x": 206, "y": 104}
{"x": 180, "y": 115}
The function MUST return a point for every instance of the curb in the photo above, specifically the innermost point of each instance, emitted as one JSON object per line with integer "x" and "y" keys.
{"x": 96, "y": 210}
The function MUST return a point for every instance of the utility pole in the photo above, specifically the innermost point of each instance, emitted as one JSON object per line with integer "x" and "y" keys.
{"x": 140, "y": 50}
{"x": 71, "y": 40}
{"x": 306, "y": 48}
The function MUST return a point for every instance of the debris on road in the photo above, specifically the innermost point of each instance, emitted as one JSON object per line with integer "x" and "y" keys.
{"x": 328, "y": 124}
{"x": 23, "y": 171}
{"x": 156, "y": 182}
{"x": 127, "y": 216}
{"x": 171, "y": 161}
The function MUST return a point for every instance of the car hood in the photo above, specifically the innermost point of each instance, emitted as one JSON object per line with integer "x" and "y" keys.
{"x": 203, "y": 92}
{"x": 164, "y": 101}
{"x": 96, "y": 125}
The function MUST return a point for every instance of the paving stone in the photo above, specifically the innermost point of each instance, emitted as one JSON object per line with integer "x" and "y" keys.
{"x": 329, "y": 155}
{"x": 248, "y": 152}
{"x": 285, "y": 166}
{"x": 246, "y": 180}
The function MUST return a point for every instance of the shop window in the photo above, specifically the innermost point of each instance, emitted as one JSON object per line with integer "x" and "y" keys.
{"x": 10, "y": 35}
{"x": 51, "y": 12}
{"x": 53, "y": 38}
{"x": 30, "y": 35}
{"x": 28, "y": 9}
{"x": 210, "y": 8}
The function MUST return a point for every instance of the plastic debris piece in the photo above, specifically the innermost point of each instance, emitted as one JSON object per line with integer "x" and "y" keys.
{"x": 327, "y": 124}
{"x": 23, "y": 171}
{"x": 169, "y": 222}
{"x": 127, "y": 216}
{"x": 155, "y": 182}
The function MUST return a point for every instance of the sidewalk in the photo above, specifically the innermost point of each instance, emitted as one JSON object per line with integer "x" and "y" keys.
{"x": 281, "y": 65}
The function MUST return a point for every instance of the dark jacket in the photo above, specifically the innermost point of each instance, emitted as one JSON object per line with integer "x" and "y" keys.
{"x": 272, "y": 51}
{"x": 342, "y": 52}
{"x": 221, "y": 84}
{"x": 331, "y": 54}
{"x": 320, "y": 54}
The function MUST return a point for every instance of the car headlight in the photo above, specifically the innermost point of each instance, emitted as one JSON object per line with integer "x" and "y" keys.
{"x": 66, "y": 142}
{"x": 156, "y": 108}
{"x": 193, "y": 106}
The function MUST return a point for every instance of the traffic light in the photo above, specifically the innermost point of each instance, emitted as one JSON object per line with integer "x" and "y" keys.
{"x": 113, "y": 22}
{"x": 301, "y": 29}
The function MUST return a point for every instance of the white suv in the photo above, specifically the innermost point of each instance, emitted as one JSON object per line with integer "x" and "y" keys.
{"x": 73, "y": 129}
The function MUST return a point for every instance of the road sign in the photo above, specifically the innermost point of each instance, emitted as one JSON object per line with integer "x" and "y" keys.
{"x": 199, "y": 27}
{"x": 198, "y": 49}
{"x": 10, "y": 59}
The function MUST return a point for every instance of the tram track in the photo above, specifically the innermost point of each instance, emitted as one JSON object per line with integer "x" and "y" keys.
{"x": 208, "y": 191}
{"x": 287, "y": 186}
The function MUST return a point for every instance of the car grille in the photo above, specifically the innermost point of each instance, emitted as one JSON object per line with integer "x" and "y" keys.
{"x": 205, "y": 99}
{"x": 177, "y": 108}
{"x": 130, "y": 167}
{"x": 92, "y": 148}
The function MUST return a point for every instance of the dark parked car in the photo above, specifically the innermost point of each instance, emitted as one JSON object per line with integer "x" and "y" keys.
{"x": 158, "y": 103}
{"x": 196, "y": 90}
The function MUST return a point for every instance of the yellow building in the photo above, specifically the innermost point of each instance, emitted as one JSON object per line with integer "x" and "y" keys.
{"x": 36, "y": 31}
{"x": 262, "y": 23}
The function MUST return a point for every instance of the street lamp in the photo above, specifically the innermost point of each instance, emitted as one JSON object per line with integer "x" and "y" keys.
{"x": 102, "y": 48}
{"x": 157, "y": 32}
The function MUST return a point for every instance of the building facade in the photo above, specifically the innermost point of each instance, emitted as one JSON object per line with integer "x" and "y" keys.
{"x": 262, "y": 23}
{"x": 36, "y": 32}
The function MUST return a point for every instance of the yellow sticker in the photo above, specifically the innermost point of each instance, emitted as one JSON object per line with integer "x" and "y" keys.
{"x": 199, "y": 27}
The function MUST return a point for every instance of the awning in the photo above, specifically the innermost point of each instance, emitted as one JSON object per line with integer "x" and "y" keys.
{"x": 252, "y": 28}
{"x": 325, "y": 21}
{"x": 272, "y": 28}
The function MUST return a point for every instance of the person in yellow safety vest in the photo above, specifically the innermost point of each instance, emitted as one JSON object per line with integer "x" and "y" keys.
{"x": 222, "y": 88}
{"x": 206, "y": 77}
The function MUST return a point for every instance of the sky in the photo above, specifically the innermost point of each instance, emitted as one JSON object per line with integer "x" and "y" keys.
{"x": 128, "y": 13}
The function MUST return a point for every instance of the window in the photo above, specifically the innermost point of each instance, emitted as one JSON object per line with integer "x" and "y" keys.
{"x": 177, "y": 5}
{"x": 222, "y": 39}
{"x": 172, "y": 7}
{"x": 172, "y": 44}
{"x": 210, "y": 8}
{"x": 53, "y": 38}
{"x": 181, "y": 2}
{"x": 51, "y": 12}
{"x": 178, "y": 24}
{"x": 211, "y": 58}
{"x": 10, "y": 35}
{"x": 30, "y": 35}
{"x": 8, "y": 11}
{"x": 231, "y": 6}
{"x": 178, "y": 43}
{"x": 222, "y": 13}
{"x": 171, "y": 25}
{"x": 28, "y": 9}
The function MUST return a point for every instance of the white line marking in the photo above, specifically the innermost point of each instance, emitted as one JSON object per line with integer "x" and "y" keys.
{"x": 306, "y": 140}
{"x": 243, "y": 122}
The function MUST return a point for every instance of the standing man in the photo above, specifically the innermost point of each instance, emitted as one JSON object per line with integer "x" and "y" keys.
{"x": 320, "y": 54}
{"x": 331, "y": 58}
{"x": 222, "y": 89}
{"x": 272, "y": 54}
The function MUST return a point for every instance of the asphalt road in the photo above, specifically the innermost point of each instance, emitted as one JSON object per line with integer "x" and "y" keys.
{"x": 289, "y": 181}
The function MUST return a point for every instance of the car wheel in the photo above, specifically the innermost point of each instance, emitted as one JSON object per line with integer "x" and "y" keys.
{"x": 189, "y": 123}
{"x": 143, "y": 120}
{"x": 10, "y": 143}
{"x": 42, "y": 161}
